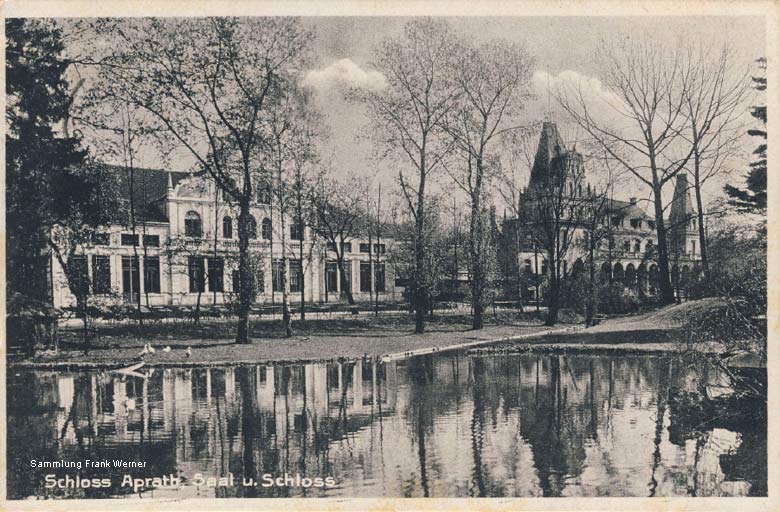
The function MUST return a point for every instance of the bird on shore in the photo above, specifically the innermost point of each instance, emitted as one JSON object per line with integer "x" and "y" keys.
{"x": 189, "y": 351}
{"x": 148, "y": 349}
{"x": 167, "y": 349}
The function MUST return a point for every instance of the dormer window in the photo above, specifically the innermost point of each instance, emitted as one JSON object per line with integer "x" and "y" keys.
{"x": 636, "y": 223}
{"x": 264, "y": 193}
{"x": 192, "y": 225}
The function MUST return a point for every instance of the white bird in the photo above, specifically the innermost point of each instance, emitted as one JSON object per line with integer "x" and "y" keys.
{"x": 167, "y": 349}
{"x": 189, "y": 351}
{"x": 150, "y": 348}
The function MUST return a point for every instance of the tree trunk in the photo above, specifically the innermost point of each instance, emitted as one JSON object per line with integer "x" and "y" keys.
{"x": 700, "y": 214}
{"x": 420, "y": 299}
{"x": 475, "y": 249}
{"x": 591, "y": 299}
{"x": 348, "y": 291}
{"x": 667, "y": 292}
{"x": 553, "y": 296}
{"x": 245, "y": 281}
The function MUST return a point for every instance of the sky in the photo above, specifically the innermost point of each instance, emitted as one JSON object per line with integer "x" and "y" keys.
{"x": 563, "y": 47}
{"x": 564, "y": 52}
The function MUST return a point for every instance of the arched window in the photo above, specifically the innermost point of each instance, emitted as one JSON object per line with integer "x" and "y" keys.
{"x": 617, "y": 272}
{"x": 637, "y": 246}
{"x": 252, "y": 227}
{"x": 630, "y": 279}
{"x": 266, "y": 228}
{"x": 227, "y": 227}
{"x": 192, "y": 225}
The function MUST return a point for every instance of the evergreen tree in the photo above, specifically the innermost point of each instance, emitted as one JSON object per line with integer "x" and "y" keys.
{"x": 46, "y": 181}
{"x": 753, "y": 197}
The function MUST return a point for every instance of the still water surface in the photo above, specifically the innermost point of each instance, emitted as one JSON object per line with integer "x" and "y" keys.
{"x": 443, "y": 425}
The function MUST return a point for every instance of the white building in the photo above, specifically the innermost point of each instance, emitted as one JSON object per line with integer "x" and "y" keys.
{"x": 186, "y": 242}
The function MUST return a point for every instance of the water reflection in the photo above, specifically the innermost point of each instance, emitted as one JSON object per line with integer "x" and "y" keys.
{"x": 445, "y": 425}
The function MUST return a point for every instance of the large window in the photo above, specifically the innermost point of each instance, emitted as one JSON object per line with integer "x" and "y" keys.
{"x": 152, "y": 274}
{"x": 216, "y": 273}
{"x": 379, "y": 276}
{"x": 227, "y": 228}
{"x": 365, "y": 248}
{"x": 276, "y": 276}
{"x": 365, "y": 275}
{"x": 346, "y": 247}
{"x": 131, "y": 281}
{"x": 267, "y": 228}
{"x": 101, "y": 275}
{"x": 331, "y": 277}
{"x": 79, "y": 273}
{"x": 296, "y": 231}
{"x": 129, "y": 239}
{"x": 252, "y": 227}
{"x": 379, "y": 249}
{"x": 192, "y": 225}
{"x": 101, "y": 238}
{"x": 196, "y": 274}
{"x": 346, "y": 277}
{"x": 296, "y": 276}
{"x": 152, "y": 240}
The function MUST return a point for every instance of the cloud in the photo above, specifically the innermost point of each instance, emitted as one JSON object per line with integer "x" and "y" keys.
{"x": 344, "y": 73}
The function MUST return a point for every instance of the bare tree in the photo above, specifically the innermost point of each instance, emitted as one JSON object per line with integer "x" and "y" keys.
{"x": 407, "y": 117}
{"x": 715, "y": 104}
{"x": 646, "y": 84}
{"x": 493, "y": 79}
{"x": 340, "y": 218}
{"x": 209, "y": 83}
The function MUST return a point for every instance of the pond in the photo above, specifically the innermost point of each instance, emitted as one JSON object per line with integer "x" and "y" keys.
{"x": 446, "y": 425}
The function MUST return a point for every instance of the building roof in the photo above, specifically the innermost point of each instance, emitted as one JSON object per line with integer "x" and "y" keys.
{"x": 150, "y": 186}
{"x": 628, "y": 209}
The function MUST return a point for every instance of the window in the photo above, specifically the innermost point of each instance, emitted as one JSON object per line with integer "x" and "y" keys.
{"x": 346, "y": 277}
{"x": 296, "y": 231}
{"x": 216, "y": 273}
{"x": 152, "y": 274}
{"x": 527, "y": 266}
{"x": 331, "y": 246}
{"x": 379, "y": 277}
{"x": 365, "y": 275}
{"x": 379, "y": 249}
{"x": 693, "y": 247}
{"x": 346, "y": 247}
{"x": 79, "y": 273}
{"x": 101, "y": 275}
{"x": 252, "y": 227}
{"x": 101, "y": 238}
{"x": 236, "y": 281}
{"x": 296, "y": 276}
{"x": 227, "y": 228}
{"x": 365, "y": 248}
{"x": 636, "y": 223}
{"x": 264, "y": 193}
{"x": 152, "y": 240}
{"x": 131, "y": 285}
{"x": 129, "y": 239}
{"x": 637, "y": 246}
{"x": 192, "y": 225}
{"x": 626, "y": 246}
{"x": 617, "y": 221}
{"x": 196, "y": 274}
{"x": 267, "y": 229}
{"x": 651, "y": 224}
{"x": 331, "y": 277}
{"x": 544, "y": 268}
{"x": 276, "y": 275}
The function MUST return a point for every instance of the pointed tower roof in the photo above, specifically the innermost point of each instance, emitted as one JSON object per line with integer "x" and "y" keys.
{"x": 550, "y": 146}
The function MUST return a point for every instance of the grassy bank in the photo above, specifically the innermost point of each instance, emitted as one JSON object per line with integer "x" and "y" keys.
{"x": 313, "y": 340}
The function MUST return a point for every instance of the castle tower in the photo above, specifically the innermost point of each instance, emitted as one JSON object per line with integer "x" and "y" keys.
{"x": 550, "y": 147}
{"x": 680, "y": 216}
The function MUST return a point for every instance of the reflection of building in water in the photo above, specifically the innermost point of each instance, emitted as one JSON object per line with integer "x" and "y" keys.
{"x": 435, "y": 426}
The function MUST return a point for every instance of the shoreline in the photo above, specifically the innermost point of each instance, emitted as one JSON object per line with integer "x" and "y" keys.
{"x": 567, "y": 339}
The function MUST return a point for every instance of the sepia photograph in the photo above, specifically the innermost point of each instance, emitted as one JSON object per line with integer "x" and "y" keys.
{"x": 414, "y": 255}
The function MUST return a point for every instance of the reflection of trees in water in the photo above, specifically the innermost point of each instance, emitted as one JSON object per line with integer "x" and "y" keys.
{"x": 551, "y": 411}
